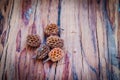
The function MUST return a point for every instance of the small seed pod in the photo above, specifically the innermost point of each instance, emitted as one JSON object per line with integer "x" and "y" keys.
{"x": 33, "y": 41}
{"x": 42, "y": 52}
{"x": 55, "y": 41}
{"x": 56, "y": 54}
{"x": 51, "y": 29}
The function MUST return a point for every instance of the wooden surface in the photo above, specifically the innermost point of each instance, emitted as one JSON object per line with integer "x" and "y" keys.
{"x": 91, "y": 36}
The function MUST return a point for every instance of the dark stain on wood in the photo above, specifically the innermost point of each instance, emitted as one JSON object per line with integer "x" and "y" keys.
{"x": 66, "y": 68}
{"x": 3, "y": 36}
{"x": 1, "y": 22}
{"x": 18, "y": 41}
{"x": 59, "y": 14}
{"x": 26, "y": 11}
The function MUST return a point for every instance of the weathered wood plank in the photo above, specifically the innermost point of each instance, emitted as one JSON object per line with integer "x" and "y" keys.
{"x": 91, "y": 38}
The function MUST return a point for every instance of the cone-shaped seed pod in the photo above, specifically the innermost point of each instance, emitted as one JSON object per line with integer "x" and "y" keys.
{"x": 33, "y": 41}
{"x": 54, "y": 42}
{"x": 51, "y": 29}
{"x": 42, "y": 52}
{"x": 56, "y": 54}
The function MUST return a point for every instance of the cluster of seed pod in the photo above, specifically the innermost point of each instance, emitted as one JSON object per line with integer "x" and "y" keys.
{"x": 54, "y": 42}
{"x": 52, "y": 49}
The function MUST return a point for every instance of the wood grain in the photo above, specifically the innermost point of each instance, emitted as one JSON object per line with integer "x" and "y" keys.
{"x": 91, "y": 36}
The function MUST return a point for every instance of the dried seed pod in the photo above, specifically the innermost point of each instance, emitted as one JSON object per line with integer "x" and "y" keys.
{"x": 51, "y": 29}
{"x": 33, "y": 41}
{"x": 55, "y": 41}
{"x": 56, "y": 54}
{"x": 42, "y": 52}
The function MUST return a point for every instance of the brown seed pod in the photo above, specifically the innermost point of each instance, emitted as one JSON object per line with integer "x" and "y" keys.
{"x": 55, "y": 41}
{"x": 51, "y": 29}
{"x": 42, "y": 52}
{"x": 33, "y": 41}
{"x": 56, "y": 54}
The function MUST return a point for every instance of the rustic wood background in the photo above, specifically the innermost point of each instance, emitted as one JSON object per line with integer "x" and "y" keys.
{"x": 91, "y": 36}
